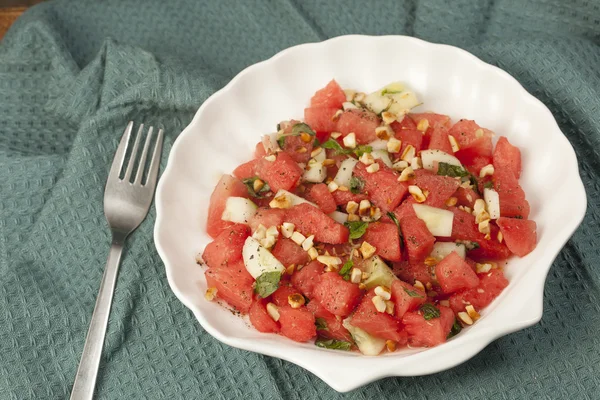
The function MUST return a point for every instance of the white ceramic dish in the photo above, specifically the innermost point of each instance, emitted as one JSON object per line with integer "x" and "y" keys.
{"x": 450, "y": 81}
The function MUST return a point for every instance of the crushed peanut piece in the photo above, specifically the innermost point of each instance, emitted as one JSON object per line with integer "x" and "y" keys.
{"x": 388, "y": 117}
{"x": 296, "y": 300}
{"x": 409, "y": 153}
{"x": 313, "y": 253}
{"x": 353, "y": 217}
{"x": 350, "y": 140}
{"x": 298, "y": 238}
{"x": 383, "y": 292}
{"x": 367, "y": 250}
{"x": 210, "y": 294}
{"x": 379, "y": 303}
{"x": 488, "y": 170}
{"x": 287, "y": 229}
{"x": 500, "y": 237}
{"x": 406, "y": 174}
{"x": 290, "y": 269}
{"x": 394, "y": 145}
{"x": 389, "y": 307}
{"x": 483, "y": 268}
{"x": 337, "y": 115}
{"x": 366, "y": 159}
{"x": 343, "y": 188}
{"x": 417, "y": 193}
{"x": 422, "y": 125}
{"x": 301, "y": 149}
{"x": 451, "y": 201}
{"x": 351, "y": 207}
{"x": 271, "y": 158}
{"x": 316, "y": 152}
{"x": 384, "y": 132}
{"x": 305, "y": 137}
{"x": 355, "y": 275}
{"x": 335, "y": 135}
{"x": 419, "y": 285}
{"x": 431, "y": 261}
{"x": 307, "y": 244}
{"x": 257, "y": 185}
{"x": 484, "y": 226}
{"x": 328, "y": 161}
{"x": 472, "y": 312}
{"x": 332, "y": 186}
{"x": 364, "y": 207}
{"x": 273, "y": 311}
{"x": 267, "y": 242}
{"x": 464, "y": 317}
{"x": 373, "y": 168}
{"x": 400, "y": 165}
{"x": 390, "y": 345}
{"x": 260, "y": 232}
{"x": 453, "y": 143}
{"x": 281, "y": 201}
{"x": 330, "y": 261}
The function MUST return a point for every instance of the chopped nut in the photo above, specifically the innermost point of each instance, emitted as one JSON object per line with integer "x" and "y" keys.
{"x": 416, "y": 193}
{"x": 260, "y": 232}
{"x": 313, "y": 253}
{"x": 305, "y": 137}
{"x": 383, "y": 292}
{"x": 287, "y": 229}
{"x": 388, "y": 117}
{"x": 478, "y": 206}
{"x": 500, "y": 237}
{"x": 272, "y": 231}
{"x": 464, "y": 317}
{"x": 484, "y": 226}
{"x": 335, "y": 135}
{"x": 316, "y": 152}
{"x": 308, "y": 242}
{"x": 453, "y": 143}
{"x": 390, "y": 345}
{"x": 422, "y": 125}
{"x": 343, "y": 188}
{"x": 487, "y": 236}
{"x": 364, "y": 207}
{"x": 362, "y": 286}
{"x": 332, "y": 186}
{"x": 360, "y": 97}
{"x": 330, "y": 261}
{"x": 281, "y": 201}
{"x": 210, "y": 294}
{"x": 389, "y": 307}
{"x": 301, "y": 149}
{"x": 416, "y": 163}
{"x": 406, "y": 174}
{"x": 430, "y": 262}
{"x": 365, "y": 275}
{"x": 465, "y": 209}
{"x": 444, "y": 303}
{"x": 271, "y": 158}
{"x": 350, "y": 140}
{"x": 451, "y": 201}
{"x": 257, "y": 185}
{"x": 400, "y": 165}
{"x": 419, "y": 285}
{"x": 353, "y": 217}
{"x": 351, "y": 207}
{"x": 394, "y": 145}
{"x": 408, "y": 154}
{"x": 482, "y": 216}
{"x": 483, "y": 268}
{"x": 379, "y": 303}
{"x": 273, "y": 311}
{"x": 466, "y": 185}
{"x": 373, "y": 168}
{"x": 290, "y": 269}
{"x": 296, "y": 300}
{"x": 366, "y": 159}
{"x": 367, "y": 250}
{"x": 480, "y": 290}
{"x": 337, "y": 115}
{"x": 355, "y": 275}
{"x": 384, "y": 132}
{"x": 328, "y": 161}
{"x": 267, "y": 242}
{"x": 428, "y": 286}
{"x": 472, "y": 312}
{"x": 488, "y": 170}
{"x": 349, "y": 94}
{"x": 298, "y": 238}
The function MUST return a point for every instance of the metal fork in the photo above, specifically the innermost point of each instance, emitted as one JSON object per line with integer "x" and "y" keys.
{"x": 126, "y": 205}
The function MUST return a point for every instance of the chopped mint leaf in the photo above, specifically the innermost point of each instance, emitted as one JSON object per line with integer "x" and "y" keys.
{"x": 456, "y": 328}
{"x": 488, "y": 185}
{"x": 413, "y": 293}
{"x": 316, "y": 143}
{"x": 249, "y": 182}
{"x": 357, "y": 228}
{"x": 346, "y": 268}
{"x": 360, "y": 150}
{"x": 281, "y": 142}
{"x": 302, "y": 128}
{"x": 321, "y": 324}
{"x": 333, "y": 344}
{"x": 267, "y": 283}
{"x": 429, "y": 311}
{"x": 395, "y": 220}
{"x": 332, "y": 144}
{"x": 356, "y": 184}
{"x": 469, "y": 245}
{"x": 451, "y": 170}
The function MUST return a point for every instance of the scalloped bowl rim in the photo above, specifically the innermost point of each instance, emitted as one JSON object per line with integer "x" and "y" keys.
{"x": 448, "y": 355}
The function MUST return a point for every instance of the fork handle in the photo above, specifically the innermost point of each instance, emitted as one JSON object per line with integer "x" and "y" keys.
{"x": 85, "y": 380}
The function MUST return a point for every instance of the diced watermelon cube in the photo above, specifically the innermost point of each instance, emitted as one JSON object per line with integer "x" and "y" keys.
{"x": 280, "y": 296}
{"x": 267, "y": 217}
{"x": 418, "y": 241}
{"x": 406, "y": 297}
{"x": 519, "y": 234}
{"x": 385, "y": 238}
{"x": 307, "y": 278}
{"x": 378, "y": 324}
{"x": 233, "y": 284}
{"x": 260, "y": 319}
{"x": 227, "y": 247}
{"x": 283, "y": 173}
{"x": 297, "y": 149}
{"x": 338, "y": 296}
{"x": 490, "y": 286}
{"x": 288, "y": 252}
{"x": 309, "y": 220}
{"x": 439, "y": 140}
{"x": 470, "y": 135}
{"x": 413, "y": 272}
{"x": 335, "y": 328}
{"x": 435, "y": 120}
{"x": 321, "y": 195}
{"x": 331, "y": 95}
{"x": 405, "y": 209}
{"x": 512, "y": 196}
{"x": 466, "y": 197}
{"x": 507, "y": 156}
{"x": 413, "y": 136}
{"x": 428, "y": 333}
{"x": 228, "y": 186}
{"x": 440, "y": 187}
{"x": 382, "y": 186}
{"x": 321, "y": 119}
{"x": 343, "y": 197}
{"x": 454, "y": 274}
{"x": 246, "y": 170}
{"x": 361, "y": 122}
{"x": 259, "y": 151}
{"x": 472, "y": 159}
{"x": 297, "y": 324}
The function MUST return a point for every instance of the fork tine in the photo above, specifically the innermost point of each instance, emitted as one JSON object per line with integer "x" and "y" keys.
{"x": 142, "y": 163}
{"x": 155, "y": 162}
{"x": 119, "y": 159}
{"x": 133, "y": 155}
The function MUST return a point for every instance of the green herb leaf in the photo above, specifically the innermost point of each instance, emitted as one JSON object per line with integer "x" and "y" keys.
{"x": 321, "y": 324}
{"x": 413, "y": 293}
{"x": 249, "y": 182}
{"x": 429, "y": 311}
{"x": 469, "y": 245}
{"x": 362, "y": 149}
{"x": 356, "y": 184}
{"x": 301, "y": 127}
{"x": 451, "y": 170}
{"x": 357, "y": 228}
{"x": 281, "y": 142}
{"x": 267, "y": 283}
{"x": 316, "y": 142}
{"x": 395, "y": 220}
{"x": 346, "y": 268}
{"x": 333, "y": 344}
{"x": 332, "y": 144}
{"x": 488, "y": 185}
{"x": 456, "y": 328}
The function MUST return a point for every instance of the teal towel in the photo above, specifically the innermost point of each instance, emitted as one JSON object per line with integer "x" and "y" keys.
{"x": 73, "y": 73}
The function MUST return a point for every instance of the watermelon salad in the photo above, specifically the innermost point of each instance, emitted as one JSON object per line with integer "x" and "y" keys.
{"x": 366, "y": 226}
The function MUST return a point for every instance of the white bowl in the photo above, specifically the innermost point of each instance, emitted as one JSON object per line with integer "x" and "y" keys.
{"x": 448, "y": 80}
